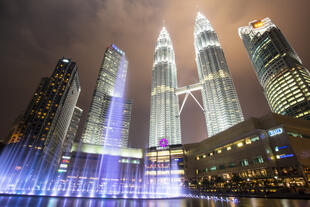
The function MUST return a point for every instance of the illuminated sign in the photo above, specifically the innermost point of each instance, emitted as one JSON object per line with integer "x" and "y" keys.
{"x": 277, "y": 148}
{"x": 275, "y": 132}
{"x": 163, "y": 142}
{"x": 63, "y": 165}
{"x": 257, "y": 24}
{"x": 285, "y": 156}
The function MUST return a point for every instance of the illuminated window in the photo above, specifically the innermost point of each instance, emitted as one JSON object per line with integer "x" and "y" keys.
{"x": 248, "y": 141}
{"x": 244, "y": 163}
{"x": 150, "y": 154}
{"x": 176, "y": 152}
{"x": 162, "y": 153}
{"x": 240, "y": 144}
{"x": 254, "y": 139}
{"x": 258, "y": 160}
{"x": 232, "y": 164}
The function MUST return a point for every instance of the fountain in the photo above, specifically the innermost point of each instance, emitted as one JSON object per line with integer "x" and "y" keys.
{"x": 93, "y": 171}
{"x": 111, "y": 172}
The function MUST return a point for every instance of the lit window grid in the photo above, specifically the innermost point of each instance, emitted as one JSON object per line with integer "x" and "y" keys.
{"x": 284, "y": 90}
{"x": 220, "y": 100}
{"x": 95, "y": 126}
{"x": 164, "y": 120}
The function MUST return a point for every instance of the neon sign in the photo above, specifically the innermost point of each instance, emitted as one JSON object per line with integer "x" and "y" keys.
{"x": 285, "y": 156}
{"x": 275, "y": 132}
{"x": 277, "y": 148}
{"x": 257, "y": 24}
{"x": 63, "y": 165}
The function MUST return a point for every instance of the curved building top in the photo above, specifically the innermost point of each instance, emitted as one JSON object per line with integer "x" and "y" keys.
{"x": 202, "y": 24}
{"x": 204, "y": 33}
{"x": 256, "y": 27}
{"x": 164, "y": 49}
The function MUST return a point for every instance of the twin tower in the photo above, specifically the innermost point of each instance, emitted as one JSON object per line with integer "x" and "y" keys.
{"x": 220, "y": 101}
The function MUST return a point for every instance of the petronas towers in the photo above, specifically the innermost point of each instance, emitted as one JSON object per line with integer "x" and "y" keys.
{"x": 220, "y": 101}
{"x": 164, "y": 121}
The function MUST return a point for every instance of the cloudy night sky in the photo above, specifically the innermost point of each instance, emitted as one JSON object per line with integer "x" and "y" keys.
{"x": 36, "y": 33}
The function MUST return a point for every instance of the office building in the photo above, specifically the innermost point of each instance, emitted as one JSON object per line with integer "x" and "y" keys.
{"x": 259, "y": 155}
{"x": 286, "y": 82}
{"x": 47, "y": 118}
{"x": 73, "y": 129}
{"x": 108, "y": 118}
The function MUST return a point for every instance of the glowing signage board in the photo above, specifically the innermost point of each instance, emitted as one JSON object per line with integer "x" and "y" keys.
{"x": 285, "y": 156}
{"x": 275, "y": 132}
{"x": 257, "y": 24}
{"x": 63, "y": 165}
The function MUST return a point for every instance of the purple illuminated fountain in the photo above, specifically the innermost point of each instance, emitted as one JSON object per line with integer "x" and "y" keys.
{"x": 25, "y": 171}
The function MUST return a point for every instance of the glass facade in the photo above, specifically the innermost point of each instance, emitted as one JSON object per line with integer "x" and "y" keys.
{"x": 164, "y": 119}
{"x": 220, "y": 100}
{"x": 73, "y": 128}
{"x": 109, "y": 115}
{"x": 286, "y": 82}
{"x": 256, "y": 156}
{"x": 47, "y": 118}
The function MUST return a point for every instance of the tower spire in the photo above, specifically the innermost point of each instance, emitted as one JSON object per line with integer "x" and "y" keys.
{"x": 224, "y": 110}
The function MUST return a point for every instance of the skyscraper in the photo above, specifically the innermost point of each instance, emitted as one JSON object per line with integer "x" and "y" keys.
{"x": 164, "y": 119}
{"x": 47, "y": 118}
{"x": 286, "y": 82}
{"x": 220, "y": 100}
{"x": 73, "y": 128}
{"x": 109, "y": 115}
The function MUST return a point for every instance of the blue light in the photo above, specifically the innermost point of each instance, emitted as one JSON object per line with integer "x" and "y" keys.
{"x": 114, "y": 47}
{"x": 117, "y": 49}
{"x": 275, "y": 132}
{"x": 285, "y": 156}
{"x": 283, "y": 147}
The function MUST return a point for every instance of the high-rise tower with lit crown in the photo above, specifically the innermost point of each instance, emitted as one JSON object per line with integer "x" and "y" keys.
{"x": 286, "y": 82}
{"x": 108, "y": 119}
{"x": 164, "y": 119}
{"x": 220, "y": 100}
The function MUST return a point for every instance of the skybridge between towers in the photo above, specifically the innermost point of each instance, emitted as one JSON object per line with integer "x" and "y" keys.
{"x": 187, "y": 90}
